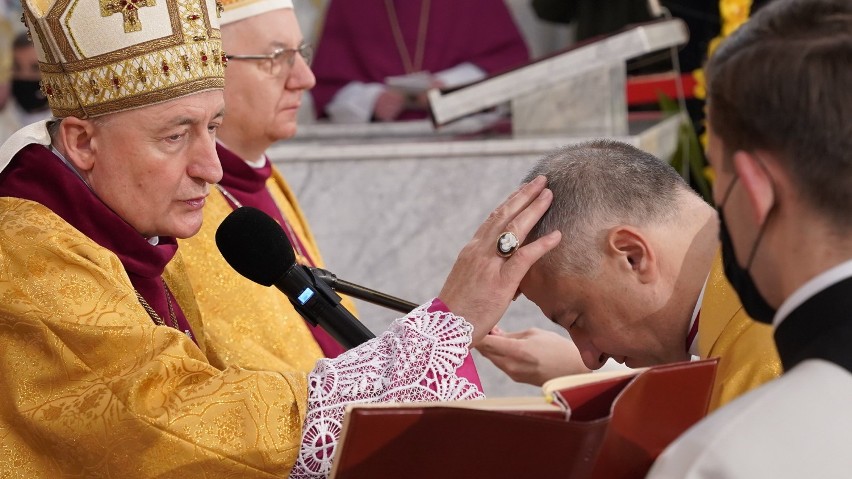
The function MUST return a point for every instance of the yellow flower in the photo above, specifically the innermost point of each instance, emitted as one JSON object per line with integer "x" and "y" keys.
{"x": 700, "y": 89}
{"x": 714, "y": 43}
{"x": 734, "y": 13}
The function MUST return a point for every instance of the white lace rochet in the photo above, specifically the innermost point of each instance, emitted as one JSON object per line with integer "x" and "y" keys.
{"x": 415, "y": 360}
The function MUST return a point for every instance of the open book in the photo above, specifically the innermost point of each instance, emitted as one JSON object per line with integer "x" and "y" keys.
{"x": 602, "y": 425}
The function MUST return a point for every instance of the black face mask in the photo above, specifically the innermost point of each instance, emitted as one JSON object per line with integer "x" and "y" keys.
{"x": 739, "y": 277}
{"x": 28, "y": 94}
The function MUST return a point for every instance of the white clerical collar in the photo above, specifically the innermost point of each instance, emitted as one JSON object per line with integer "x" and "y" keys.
{"x": 258, "y": 163}
{"x": 812, "y": 287}
{"x": 70, "y": 166}
{"x": 693, "y": 346}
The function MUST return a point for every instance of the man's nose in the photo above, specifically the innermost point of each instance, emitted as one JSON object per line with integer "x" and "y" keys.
{"x": 301, "y": 76}
{"x": 205, "y": 164}
{"x": 592, "y": 357}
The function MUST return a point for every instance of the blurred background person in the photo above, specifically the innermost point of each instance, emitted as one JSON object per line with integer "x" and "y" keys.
{"x": 21, "y": 99}
{"x": 428, "y": 43}
{"x": 30, "y": 102}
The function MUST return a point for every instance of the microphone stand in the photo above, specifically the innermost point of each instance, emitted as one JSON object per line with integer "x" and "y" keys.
{"x": 362, "y": 293}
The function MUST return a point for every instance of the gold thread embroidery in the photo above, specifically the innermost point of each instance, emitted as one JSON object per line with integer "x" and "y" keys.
{"x": 39, "y": 31}
{"x": 145, "y": 99}
{"x": 64, "y": 38}
{"x": 182, "y": 63}
{"x": 129, "y": 10}
{"x": 156, "y": 70}
{"x": 63, "y": 43}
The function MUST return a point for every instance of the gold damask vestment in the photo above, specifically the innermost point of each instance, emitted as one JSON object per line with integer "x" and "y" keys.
{"x": 84, "y": 369}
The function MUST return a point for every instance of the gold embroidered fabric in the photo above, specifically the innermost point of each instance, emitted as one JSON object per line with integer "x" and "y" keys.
{"x": 129, "y": 10}
{"x": 91, "y": 387}
{"x": 106, "y": 56}
{"x": 246, "y": 324}
{"x": 747, "y": 353}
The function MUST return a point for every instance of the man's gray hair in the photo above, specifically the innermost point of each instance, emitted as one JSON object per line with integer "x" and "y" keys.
{"x": 597, "y": 185}
{"x": 54, "y": 123}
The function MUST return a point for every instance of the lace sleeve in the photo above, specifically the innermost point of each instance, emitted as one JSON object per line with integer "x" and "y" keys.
{"x": 415, "y": 360}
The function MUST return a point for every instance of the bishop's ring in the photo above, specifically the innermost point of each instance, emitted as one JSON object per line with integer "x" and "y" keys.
{"x": 507, "y": 244}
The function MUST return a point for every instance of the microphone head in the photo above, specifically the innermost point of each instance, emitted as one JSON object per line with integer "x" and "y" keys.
{"x": 255, "y": 245}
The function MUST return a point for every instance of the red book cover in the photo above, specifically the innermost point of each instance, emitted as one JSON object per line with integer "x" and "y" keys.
{"x": 598, "y": 425}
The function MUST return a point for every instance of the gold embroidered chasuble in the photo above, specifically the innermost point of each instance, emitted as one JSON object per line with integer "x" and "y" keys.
{"x": 85, "y": 369}
{"x": 247, "y": 324}
{"x": 748, "y": 357}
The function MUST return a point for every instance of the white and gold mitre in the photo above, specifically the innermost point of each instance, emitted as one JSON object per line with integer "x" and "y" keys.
{"x": 236, "y": 10}
{"x": 105, "y": 56}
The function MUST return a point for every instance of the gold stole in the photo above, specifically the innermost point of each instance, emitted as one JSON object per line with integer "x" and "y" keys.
{"x": 746, "y": 348}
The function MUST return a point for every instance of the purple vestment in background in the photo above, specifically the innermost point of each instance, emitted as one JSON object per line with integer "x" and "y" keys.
{"x": 357, "y": 42}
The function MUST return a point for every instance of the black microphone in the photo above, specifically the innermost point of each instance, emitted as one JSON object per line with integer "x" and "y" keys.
{"x": 363, "y": 293}
{"x": 256, "y": 246}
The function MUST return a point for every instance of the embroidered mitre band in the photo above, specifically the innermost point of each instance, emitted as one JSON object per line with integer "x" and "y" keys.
{"x": 104, "y": 56}
{"x": 236, "y": 10}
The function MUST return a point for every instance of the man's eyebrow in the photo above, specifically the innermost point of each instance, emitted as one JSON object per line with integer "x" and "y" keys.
{"x": 179, "y": 121}
{"x": 188, "y": 120}
{"x": 277, "y": 44}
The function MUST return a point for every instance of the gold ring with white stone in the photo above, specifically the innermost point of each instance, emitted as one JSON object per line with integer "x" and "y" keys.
{"x": 507, "y": 244}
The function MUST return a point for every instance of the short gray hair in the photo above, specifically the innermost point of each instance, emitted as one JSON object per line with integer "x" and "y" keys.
{"x": 597, "y": 185}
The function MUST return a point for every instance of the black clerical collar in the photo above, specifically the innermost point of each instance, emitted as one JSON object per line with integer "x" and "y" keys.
{"x": 820, "y": 328}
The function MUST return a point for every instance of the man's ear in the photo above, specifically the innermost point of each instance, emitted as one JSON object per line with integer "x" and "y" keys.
{"x": 756, "y": 182}
{"x": 77, "y": 138}
{"x": 632, "y": 253}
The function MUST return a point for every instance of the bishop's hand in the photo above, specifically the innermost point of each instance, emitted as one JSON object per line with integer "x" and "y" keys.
{"x": 483, "y": 282}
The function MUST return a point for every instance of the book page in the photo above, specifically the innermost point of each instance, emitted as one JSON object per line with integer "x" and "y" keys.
{"x": 545, "y": 402}
{"x": 574, "y": 380}
{"x": 530, "y": 403}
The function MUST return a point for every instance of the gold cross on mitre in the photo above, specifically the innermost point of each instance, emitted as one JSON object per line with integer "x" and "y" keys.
{"x": 129, "y": 10}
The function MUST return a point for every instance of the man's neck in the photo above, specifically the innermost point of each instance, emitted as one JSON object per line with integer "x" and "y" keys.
{"x": 248, "y": 150}
{"x": 806, "y": 247}
{"x": 698, "y": 252}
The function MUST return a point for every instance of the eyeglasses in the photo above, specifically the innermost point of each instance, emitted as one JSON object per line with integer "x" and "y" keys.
{"x": 281, "y": 60}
